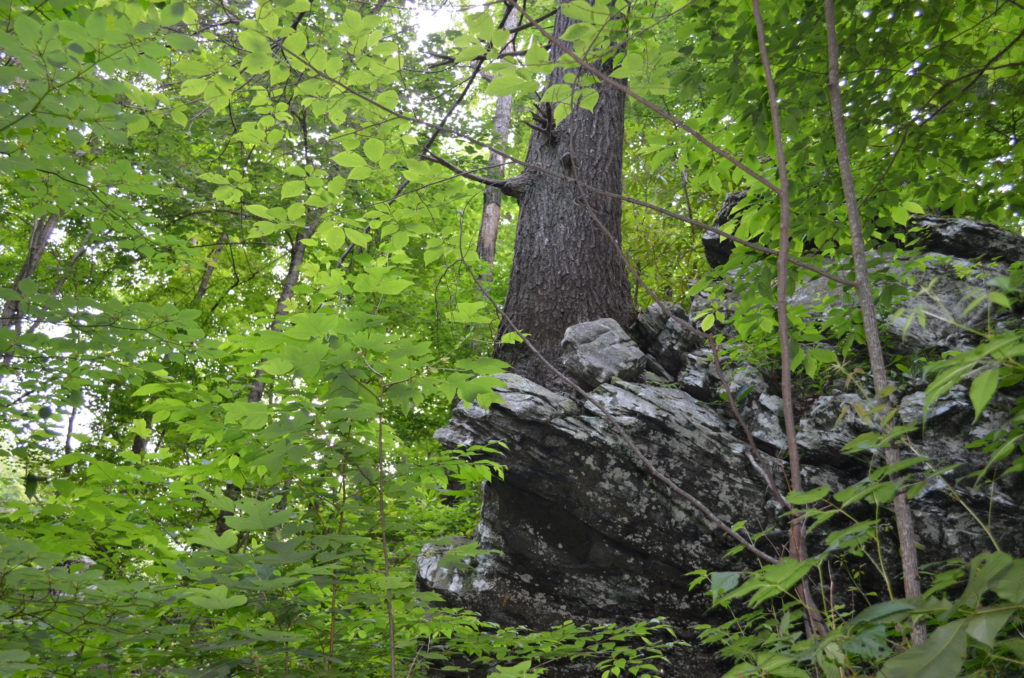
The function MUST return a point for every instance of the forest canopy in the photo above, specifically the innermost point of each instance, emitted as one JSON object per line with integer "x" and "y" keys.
{"x": 242, "y": 285}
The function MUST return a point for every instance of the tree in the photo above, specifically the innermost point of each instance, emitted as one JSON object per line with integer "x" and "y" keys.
{"x": 568, "y": 266}
{"x": 235, "y": 299}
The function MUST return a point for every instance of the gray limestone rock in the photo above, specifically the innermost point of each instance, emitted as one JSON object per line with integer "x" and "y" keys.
{"x": 666, "y": 335}
{"x": 830, "y": 423}
{"x": 952, "y": 411}
{"x": 969, "y": 239}
{"x": 764, "y": 417}
{"x": 600, "y": 350}
{"x": 945, "y": 308}
{"x": 695, "y": 376}
{"x": 940, "y": 305}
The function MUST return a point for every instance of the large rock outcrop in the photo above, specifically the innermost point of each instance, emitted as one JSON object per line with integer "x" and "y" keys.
{"x": 582, "y": 529}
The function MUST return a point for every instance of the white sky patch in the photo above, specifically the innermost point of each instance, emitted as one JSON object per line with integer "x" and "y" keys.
{"x": 434, "y": 19}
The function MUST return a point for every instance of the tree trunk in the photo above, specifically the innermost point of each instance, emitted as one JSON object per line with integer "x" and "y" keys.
{"x": 487, "y": 242}
{"x": 42, "y": 228}
{"x": 567, "y": 266}
{"x": 298, "y": 253}
{"x": 211, "y": 264}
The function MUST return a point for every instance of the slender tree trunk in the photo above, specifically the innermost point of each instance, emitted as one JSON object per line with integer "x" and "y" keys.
{"x": 798, "y": 524}
{"x": 298, "y": 253}
{"x": 567, "y": 266}
{"x": 42, "y": 229}
{"x": 211, "y": 264}
{"x": 487, "y": 242}
{"x": 901, "y": 505}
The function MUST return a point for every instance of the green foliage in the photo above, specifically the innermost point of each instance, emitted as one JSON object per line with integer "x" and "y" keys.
{"x": 257, "y": 302}
{"x": 634, "y": 650}
{"x": 222, "y": 375}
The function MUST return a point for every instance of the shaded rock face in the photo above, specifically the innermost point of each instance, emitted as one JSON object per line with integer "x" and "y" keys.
{"x": 967, "y": 238}
{"x": 583, "y": 531}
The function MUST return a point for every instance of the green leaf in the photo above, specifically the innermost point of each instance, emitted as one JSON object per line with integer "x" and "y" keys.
{"x": 880, "y": 611}
{"x": 16, "y": 661}
{"x": 227, "y": 194}
{"x": 290, "y": 189}
{"x": 348, "y": 159}
{"x": 985, "y": 569}
{"x": 374, "y": 149}
{"x": 277, "y": 366}
{"x": 358, "y": 238}
{"x": 557, "y": 92}
{"x": 588, "y": 99}
{"x": 483, "y": 366}
{"x": 982, "y": 389}
{"x": 520, "y": 670}
{"x": 360, "y": 173}
{"x": 250, "y": 416}
{"x": 149, "y": 389}
{"x": 632, "y": 64}
{"x": 809, "y": 496}
{"x": 296, "y": 42}
{"x": 253, "y": 41}
{"x": 580, "y": 32}
{"x": 259, "y": 515}
{"x": 206, "y": 536}
{"x": 392, "y": 285}
{"x": 216, "y": 598}
{"x": 941, "y": 656}
{"x": 985, "y": 625}
{"x": 721, "y": 583}
{"x": 899, "y": 214}
{"x": 1010, "y": 585}
{"x": 194, "y": 86}
{"x": 510, "y": 83}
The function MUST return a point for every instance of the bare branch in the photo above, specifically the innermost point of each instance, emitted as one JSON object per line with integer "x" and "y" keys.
{"x": 512, "y": 187}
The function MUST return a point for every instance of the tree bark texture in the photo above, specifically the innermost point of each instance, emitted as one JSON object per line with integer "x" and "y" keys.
{"x": 567, "y": 267}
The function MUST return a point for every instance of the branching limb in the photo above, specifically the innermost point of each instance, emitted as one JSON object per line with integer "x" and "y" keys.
{"x": 596, "y": 191}
{"x": 513, "y": 186}
{"x": 657, "y": 110}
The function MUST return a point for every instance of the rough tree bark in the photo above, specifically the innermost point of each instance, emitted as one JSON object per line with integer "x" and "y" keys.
{"x": 567, "y": 267}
